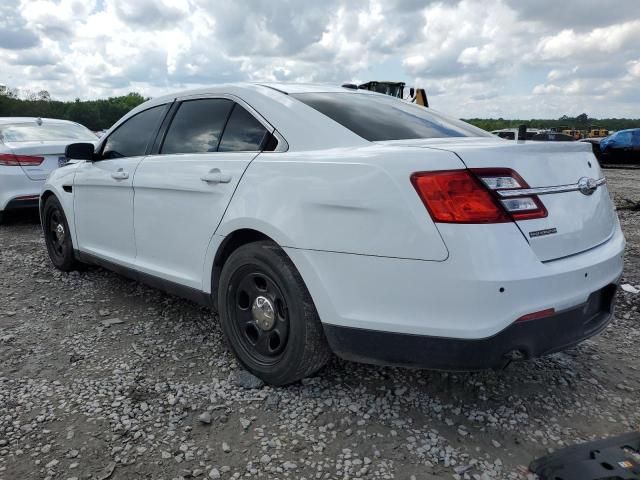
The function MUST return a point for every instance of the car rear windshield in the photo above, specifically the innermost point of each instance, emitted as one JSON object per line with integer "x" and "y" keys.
{"x": 379, "y": 117}
{"x": 32, "y": 132}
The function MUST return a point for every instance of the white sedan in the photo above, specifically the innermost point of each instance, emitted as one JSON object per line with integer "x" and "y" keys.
{"x": 30, "y": 148}
{"x": 317, "y": 219}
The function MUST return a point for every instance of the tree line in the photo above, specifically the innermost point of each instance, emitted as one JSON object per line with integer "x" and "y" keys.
{"x": 93, "y": 114}
{"x": 101, "y": 114}
{"x": 580, "y": 122}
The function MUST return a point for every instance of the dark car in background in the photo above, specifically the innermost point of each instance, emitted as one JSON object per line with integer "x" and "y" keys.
{"x": 595, "y": 146}
{"x": 621, "y": 147}
{"x": 553, "y": 137}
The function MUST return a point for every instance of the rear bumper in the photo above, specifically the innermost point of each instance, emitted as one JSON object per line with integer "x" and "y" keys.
{"x": 482, "y": 288}
{"x": 21, "y": 202}
{"x": 17, "y": 190}
{"x": 519, "y": 341}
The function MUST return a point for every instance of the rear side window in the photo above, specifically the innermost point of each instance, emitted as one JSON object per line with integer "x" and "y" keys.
{"x": 131, "y": 138}
{"x": 243, "y": 132}
{"x": 197, "y": 126}
{"x": 45, "y": 132}
{"x": 378, "y": 117}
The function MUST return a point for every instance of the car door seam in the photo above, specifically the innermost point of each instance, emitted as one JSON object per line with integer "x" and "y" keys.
{"x": 133, "y": 206}
{"x": 215, "y": 230}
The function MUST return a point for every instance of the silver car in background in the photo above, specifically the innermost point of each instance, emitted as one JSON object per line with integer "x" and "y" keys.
{"x": 30, "y": 148}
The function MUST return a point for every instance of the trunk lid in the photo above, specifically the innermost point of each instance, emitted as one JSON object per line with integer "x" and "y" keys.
{"x": 576, "y": 221}
{"x": 52, "y": 152}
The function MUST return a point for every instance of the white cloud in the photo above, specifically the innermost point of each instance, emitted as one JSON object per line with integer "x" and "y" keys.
{"x": 484, "y": 56}
{"x": 475, "y": 57}
{"x": 634, "y": 68}
{"x": 546, "y": 89}
{"x": 569, "y": 44}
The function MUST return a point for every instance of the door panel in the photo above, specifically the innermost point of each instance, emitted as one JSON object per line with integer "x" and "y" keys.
{"x": 182, "y": 193}
{"x": 104, "y": 208}
{"x": 103, "y": 189}
{"x": 179, "y": 202}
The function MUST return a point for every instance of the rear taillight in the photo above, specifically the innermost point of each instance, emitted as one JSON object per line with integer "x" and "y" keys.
{"x": 472, "y": 196}
{"x": 525, "y": 207}
{"x": 11, "y": 160}
{"x": 457, "y": 196}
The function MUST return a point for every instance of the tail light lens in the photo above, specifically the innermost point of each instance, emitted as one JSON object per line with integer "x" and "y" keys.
{"x": 11, "y": 160}
{"x": 470, "y": 196}
{"x": 521, "y": 207}
{"x": 457, "y": 196}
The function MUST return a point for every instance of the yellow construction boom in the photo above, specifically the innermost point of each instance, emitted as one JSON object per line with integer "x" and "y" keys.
{"x": 395, "y": 89}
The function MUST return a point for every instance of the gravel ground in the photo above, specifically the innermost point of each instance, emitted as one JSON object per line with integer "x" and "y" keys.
{"x": 101, "y": 377}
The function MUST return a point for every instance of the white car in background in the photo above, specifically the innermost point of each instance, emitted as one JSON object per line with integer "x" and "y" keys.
{"x": 30, "y": 149}
{"x": 318, "y": 219}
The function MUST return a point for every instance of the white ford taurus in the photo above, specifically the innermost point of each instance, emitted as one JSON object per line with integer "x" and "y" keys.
{"x": 318, "y": 219}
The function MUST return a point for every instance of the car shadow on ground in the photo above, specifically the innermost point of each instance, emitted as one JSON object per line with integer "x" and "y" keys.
{"x": 20, "y": 217}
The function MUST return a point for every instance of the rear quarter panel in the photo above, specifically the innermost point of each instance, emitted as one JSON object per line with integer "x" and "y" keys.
{"x": 354, "y": 200}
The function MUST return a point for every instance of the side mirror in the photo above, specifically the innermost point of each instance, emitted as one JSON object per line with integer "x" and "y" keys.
{"x": 79, "y": 151}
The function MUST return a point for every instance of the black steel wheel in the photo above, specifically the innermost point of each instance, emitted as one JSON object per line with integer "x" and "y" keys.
{"x": 57, "y": 236}
{"x": 268, "y": 316}
{"x": 260, "y": 314}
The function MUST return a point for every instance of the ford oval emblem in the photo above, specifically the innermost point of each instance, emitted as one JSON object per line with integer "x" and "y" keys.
{"x": 587, "y": 185}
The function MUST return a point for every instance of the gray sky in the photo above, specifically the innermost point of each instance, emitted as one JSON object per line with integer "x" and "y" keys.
{"x": 500, "y": 58}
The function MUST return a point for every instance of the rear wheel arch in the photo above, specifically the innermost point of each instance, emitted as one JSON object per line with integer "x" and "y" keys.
{"x": 243, "y": 236}
{"x": 284, "y": 343}
{"x": 231, "y": 242}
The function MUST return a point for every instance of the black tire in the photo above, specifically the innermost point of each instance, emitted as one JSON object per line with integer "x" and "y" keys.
{"x": 57, "y": 236}
{"x": 282, "y": 349}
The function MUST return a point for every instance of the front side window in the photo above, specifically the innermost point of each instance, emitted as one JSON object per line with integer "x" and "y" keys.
{"x": 379, "y": 117}
{"x": 197, "y": 126}
{"x": 132, "y": 137}
{"x": 243, "y": 132}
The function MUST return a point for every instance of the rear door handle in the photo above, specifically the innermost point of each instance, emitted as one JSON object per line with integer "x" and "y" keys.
{"x": 120, "y": 174}
{"x": 215, "y": 176}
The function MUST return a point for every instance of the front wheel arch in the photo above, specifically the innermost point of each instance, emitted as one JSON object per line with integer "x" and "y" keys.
{"x": 59, "y": 245}
{"x": 44, "y": 196}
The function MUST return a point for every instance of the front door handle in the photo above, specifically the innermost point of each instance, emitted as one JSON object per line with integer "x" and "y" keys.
{"x": 215, "y": 176}
{"x": 120, "y": 174}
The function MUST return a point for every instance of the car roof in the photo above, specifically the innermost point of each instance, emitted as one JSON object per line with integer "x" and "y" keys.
{"x": 272, "y": 102}
{"x": 313, "y": 88}
{"x": 255, "y": 87}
